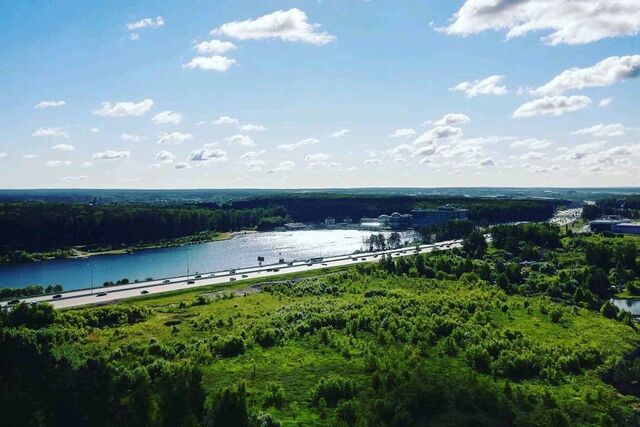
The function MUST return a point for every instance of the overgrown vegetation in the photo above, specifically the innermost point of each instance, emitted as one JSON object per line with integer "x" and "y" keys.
{"x": 512, "y": 334}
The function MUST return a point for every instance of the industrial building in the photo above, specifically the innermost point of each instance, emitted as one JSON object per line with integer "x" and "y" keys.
{"x": 431, "y": 217}
{"x": 614, "y": 224}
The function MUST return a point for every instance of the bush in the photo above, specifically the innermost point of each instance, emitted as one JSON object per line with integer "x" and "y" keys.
{"x": 609, "y": 310}
{"x": 333, "y": 389}
{"x": 555, "y": 314}
{"x": 275, "y": 395}
{"x": 229, "y": 346}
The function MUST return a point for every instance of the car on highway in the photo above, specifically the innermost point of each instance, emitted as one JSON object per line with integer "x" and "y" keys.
{"x": 101, "y": 294}
{"x": 309, "y": 265}
{"x": 244, "y": 276}
{"x": 166, "y": 282}
{"x": 56, "y": 296}
{"x": 190, "y": 282}
{"x": 232, "y": 279}
{"x": 325, "y": 264}
{"x": 144, "y": 292}
{"x": 276, "y": 270}
{"x": 363, "y": 259}
{"x": 198, "y": 276}
{"x": 13, "y": 302}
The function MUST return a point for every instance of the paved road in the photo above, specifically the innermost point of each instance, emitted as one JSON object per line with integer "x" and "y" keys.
{"x": 566, "y": 217}
{"x": 115, "y": 293}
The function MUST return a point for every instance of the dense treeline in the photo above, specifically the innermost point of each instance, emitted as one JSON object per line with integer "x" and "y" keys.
{"x": 38, "y": 226}
{"x": 626, "y": 206}
{"x": 313, "y": 208}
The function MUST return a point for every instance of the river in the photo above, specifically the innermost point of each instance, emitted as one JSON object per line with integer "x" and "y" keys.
{"x": 241, "y": 251}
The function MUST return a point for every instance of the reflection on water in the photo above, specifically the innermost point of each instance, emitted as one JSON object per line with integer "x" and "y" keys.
{"x": 632, "y": 306}
{"x": 239, "y": 252}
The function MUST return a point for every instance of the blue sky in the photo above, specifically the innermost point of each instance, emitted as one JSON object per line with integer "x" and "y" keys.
{"x": 337, "y": 93}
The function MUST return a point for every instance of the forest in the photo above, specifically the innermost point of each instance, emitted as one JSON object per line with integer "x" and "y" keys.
{"x": 486, "y": 335}
{"x": 50, "y": 229}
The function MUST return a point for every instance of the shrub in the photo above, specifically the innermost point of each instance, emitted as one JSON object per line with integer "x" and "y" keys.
{"x": 228, "y": 346}
{"x": 609, "y": 310}
{"x": 333, "y": 389}
{"x": 275, "y": 395}
{"x": 555, "y": 314}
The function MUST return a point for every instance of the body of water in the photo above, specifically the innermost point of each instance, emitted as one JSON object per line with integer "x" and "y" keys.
{"x": 632, "y": 306}
{"x": 241, "y": 251}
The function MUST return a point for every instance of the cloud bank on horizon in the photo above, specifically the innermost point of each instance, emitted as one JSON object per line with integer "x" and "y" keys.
{"x": 491, "y": 92}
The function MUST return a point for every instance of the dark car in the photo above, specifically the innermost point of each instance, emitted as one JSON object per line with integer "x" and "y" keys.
{"x": 198, "y": 276}
{"x": 13, "y": 301}
{"x": 56, "y": 296}
{"x": 325, "y": 264}
{"x": 244, "y": 276}
{"x": 166, "y": 281}
{"x": 144, "y": 292}
{"x": 190, "y": 282}
{"x": 101, "y": 294}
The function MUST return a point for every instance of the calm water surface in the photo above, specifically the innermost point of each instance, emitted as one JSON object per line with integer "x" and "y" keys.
{"x": 239, "y": 252}
{"x": 632, "y": 306}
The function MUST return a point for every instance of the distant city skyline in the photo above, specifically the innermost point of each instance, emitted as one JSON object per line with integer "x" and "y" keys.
{"x": 334, "y": 93}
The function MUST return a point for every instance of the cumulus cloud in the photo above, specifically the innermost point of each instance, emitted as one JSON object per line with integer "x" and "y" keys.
{"x": 488, "y": 86}
{"x": 210, "y": 63}
{"x": 453, "y": 119}
{"x": 531, "y": 143}
{"x": 602, "y": 130}
{"x": 403, "y": 133}
{"x": 57, "y": 163}
{"x": 165, "y": 156}
{"x": 281, "y": 167}
{"x": 487, "y": 162}
{"x": 565, "y": 21}
{"x": 123, "y": 109}
{"x": 291, "y": 26}
{"x": 146, "y": 23}
{"x": 74, "y": 178}
{"x": 252, "y": 154}
{"x": 167, "y": 117}
{"x": 214, "y": 47}
{"x": 605, "y": 102}
{"x": 130, "y": 137}
{"x": 225, "y": 120}
{"x": 294, "y": 145}
{"x": 26, "y": 156}
{"x": 438, "y": 133}
{"x": 174, "y": 138}
{"x": 94, "y": 130}
{"x": 373, "y": 162}
{"x": 243, "y": 140}
{"x": 552, "y": 105}
{"x": 253, "y": 128}
{"x": 581, "y": 151}
{"x": 3, "y": 155}
{"x": 532, "y": 155}
{"x": 208, "y": 155}
{"x": 63, "y": 147}
{"x": 49, "y": 104}
{"x": 340, "y": 133}
{"x": 604, "y": 73}
{"x": 111, "y": 155}
{"x": 50, "y": 132}
{"x": 181, "y": 165}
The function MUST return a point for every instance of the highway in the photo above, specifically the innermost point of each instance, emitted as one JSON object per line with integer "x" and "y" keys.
{"x": 103, "y": 295}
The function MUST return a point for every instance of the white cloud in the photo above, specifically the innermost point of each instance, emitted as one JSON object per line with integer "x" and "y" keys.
{"x": 130, "y": 137}
{"x": 602, "y": 130}
{"x": 208, "y": 155}
{"x": 167, "y": 117}
{"x": 50, "y": 132}
{"x": 252, "y": 154}
{"x": 531, "y": 143}
{"x": 253, "y": 128}
{"x": 49, "y": 104}
{"x": 281, "y": 167}
{"x": 340, "y": 133}
{"x": 318, "y": 157}
{"x": 56, "y": 163}
{"x": 225, "y": 120}
{"x": 27, "y": 156}
{"x": 293, "y": 146}
{"x": 453, "y": 119}
{"x": 95, "y": 130}
{"x": 566, "y": 21}
{"x": 486, "y": 162}
{"x": 146, "y": 23}
{"x": 438, "y": 133}
{"x": 290, "y": 26}
{"x": 581, "y": 151}
{"x": 605, "y": 102}
{"x": 243, "y": 140}
{"x": 165, "y": 156}
{"x": 403, "y": 133}
{"x": 210, "y": 63}
{"x": 552, "y": 105}
{"x": 174, "y": 138}
{"x": 255, "y": 165}
{"x": 123, "y": 109}
{"x": 75, "y": 178}
{"x": 181, "y": 165}
{"x": 63, "y": 147}
{"x": 86, "y": 164}
{"x": 604, "y": 73}
{"x": 373, "y": 162}
{"x": 532, "y": 155}
{"x": 214, "y": 47}
{"x": 488, "y": 86}
{"x": 111, "y": 155}
{"x": 3, "y": 155}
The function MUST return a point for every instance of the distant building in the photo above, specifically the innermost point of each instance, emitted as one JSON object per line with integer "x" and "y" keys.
{"x": 627, "y": 228}
{"x": 399, "y": 221}
{"x": 615, "y": 224}
{"x": 430, "y": 217}
{"x": 329, "y": 221}
{"x": 295, "y": 226}
{"x": 348, "y": 220}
